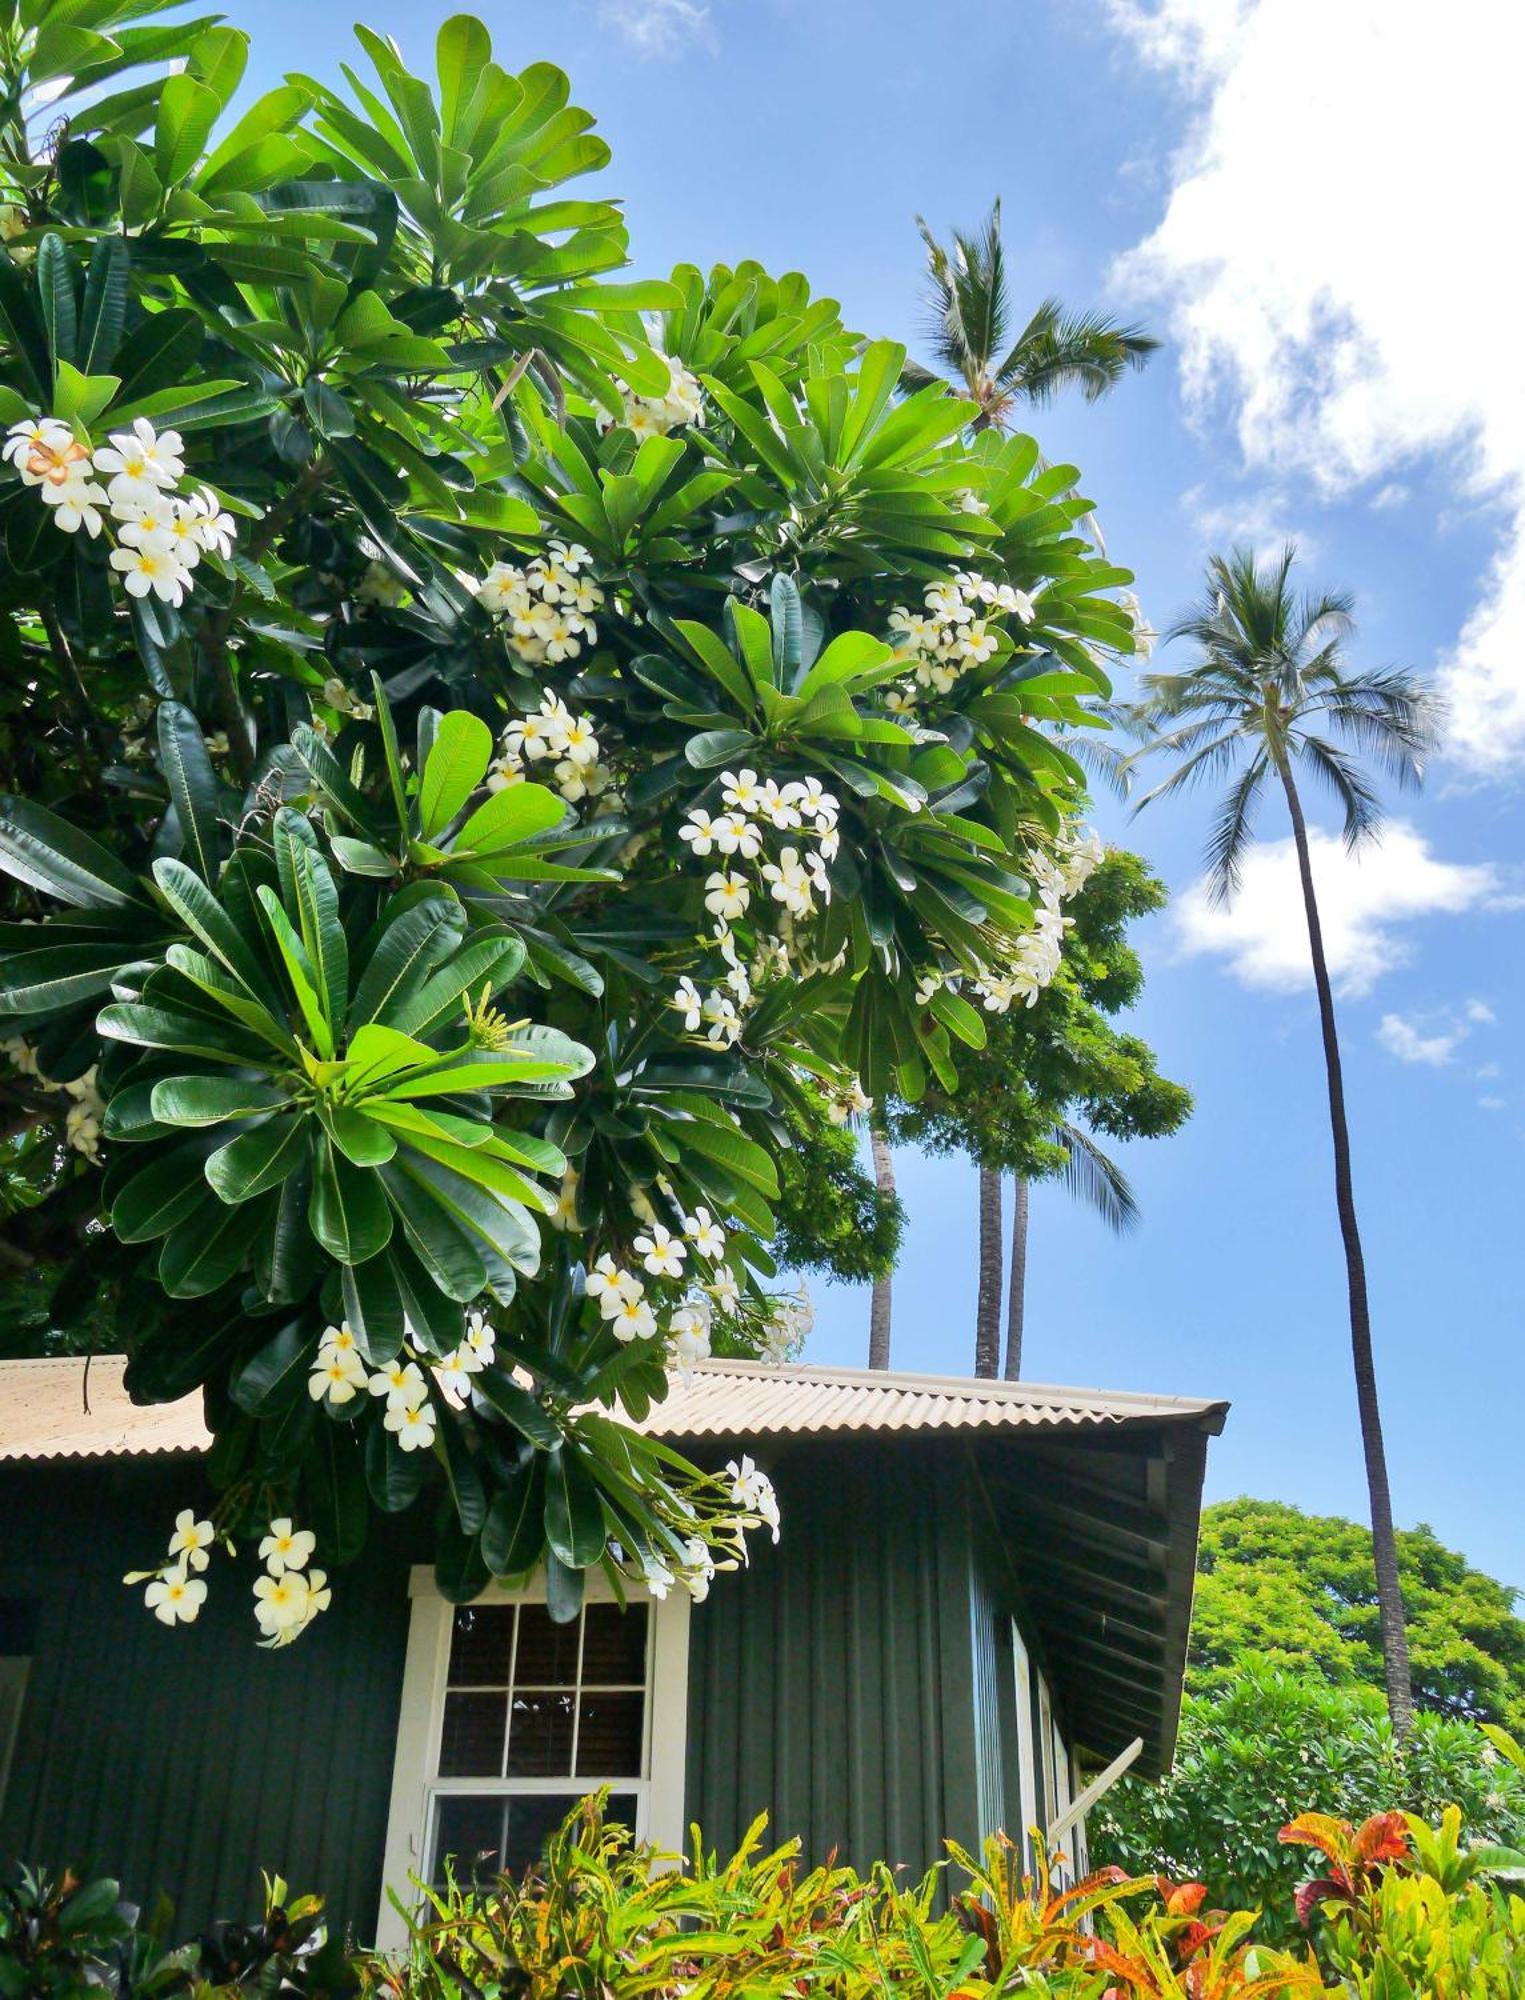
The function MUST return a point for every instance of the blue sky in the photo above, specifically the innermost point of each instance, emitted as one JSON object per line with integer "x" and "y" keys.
{"x": 1274, "y": 219}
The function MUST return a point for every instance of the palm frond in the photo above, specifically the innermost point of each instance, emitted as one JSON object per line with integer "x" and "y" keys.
{"x": 979, "y": 279}
{"x": 1232, "y": 831}
{"x": 1059, "y": 350}
{"x": 1343, "y": 777}
{"x": 1094, "y": 1177}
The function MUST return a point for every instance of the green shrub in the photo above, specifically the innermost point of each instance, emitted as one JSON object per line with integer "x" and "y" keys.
{"x": 1272, "y": 1744}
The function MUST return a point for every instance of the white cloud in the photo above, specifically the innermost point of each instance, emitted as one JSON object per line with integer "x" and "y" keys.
{"x": 1491, "y": 1103}
{"x": 1337, "y": 197}
{"x": 1480, "y": 1014}
{"x": 659, "y": 27}
{"x": 1261, "y": 519}
{"x": 1409, "y": 1043}
{"x": 1364, "y": 900}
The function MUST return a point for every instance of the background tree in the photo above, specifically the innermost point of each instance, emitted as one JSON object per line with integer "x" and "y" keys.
{"x": 969, "y": 315}
{"x": 1271, "y": 1744}
{"x": 1270, "y": 696}
{"x": 1055, "y": 1080}
{"x": 1300, "y": 1590}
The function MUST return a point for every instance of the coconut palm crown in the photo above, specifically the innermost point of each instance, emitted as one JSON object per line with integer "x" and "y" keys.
{"x": 969, "y": 315}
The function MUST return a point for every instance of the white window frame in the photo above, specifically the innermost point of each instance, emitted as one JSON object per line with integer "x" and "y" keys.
{"x": 658, "y": 1790}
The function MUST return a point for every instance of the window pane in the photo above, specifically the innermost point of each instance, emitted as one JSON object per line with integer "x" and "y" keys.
{"x": 481, "y": 1646}
{"x": 614, "y": 1646}
{"x": 470, "y": 1830}
{"x": 540, "y": 1735}
{"x": 533, "y": 1817}
{"x": 547, "y": 1652}
{"x": 471, "y": 1742}
{"x": 609, "y": 1733}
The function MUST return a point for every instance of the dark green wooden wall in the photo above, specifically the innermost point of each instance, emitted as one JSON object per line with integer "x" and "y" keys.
{"x": 851, "y": 1684}
{"x": 188, "y": 1760}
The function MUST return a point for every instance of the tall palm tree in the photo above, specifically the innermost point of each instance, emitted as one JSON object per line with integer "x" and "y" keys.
{"x": 1092, "y": 1176}
{"x": 880, "y": 1302}
{"x": 969, "y": 314}
{"x": 1270, "y": 697}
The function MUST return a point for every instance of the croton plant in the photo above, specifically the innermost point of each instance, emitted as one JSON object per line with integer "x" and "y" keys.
{"x": 483, "y": 745}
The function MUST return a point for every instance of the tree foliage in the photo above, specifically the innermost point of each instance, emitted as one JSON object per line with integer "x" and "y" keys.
{"x": 1300, "y": 1591}
{"x": 1062, "y": 1058}
{"x": 1266, "y": 1743}
{"x": 466, "y": 791}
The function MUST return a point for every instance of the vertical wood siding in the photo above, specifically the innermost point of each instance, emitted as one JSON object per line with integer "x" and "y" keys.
{"x": 187, "y": 1760}
{"x": 831, "y": 1686}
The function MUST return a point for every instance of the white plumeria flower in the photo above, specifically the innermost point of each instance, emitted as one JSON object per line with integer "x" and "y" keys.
{"x": 1015, "y": 603}
{"x": 402, "y": 1383}
{"x": 454, "y": 1379}
{"x": 480, "y": 1345}
{"x": 742, "y": 789}
{"x": 698, "y": 830}
{"x": 661, "y": 1252}
{"x": 735, "y": 834}
{"x": 339, "y": 1375}
{"x": 175, "y": 1598}
{"x": 44, "y": 439}
{"x": 282, "y": 1603}
{"x": 570, "y": 556}
{"x": 752, "y": 1490}
{"x": 286, "y": 1547}
{"x": 143, "y": 454}
{"x": 579, "y": 745}
{"x": 612, "y": 1286}
{"x": 725, "y": 1291}
{"x": 145, "y": 519}
{"x": 698, "y": 1569}
{"x": 724, "y": 1021}
{"x": 778, "y": 806}
{"x": 688, "y": 1335}
{"x": 192, "y": 1540}
{"x": 531, "y": 737}
{"x": 790, "y": 884}
{"x": 413, "y": 1427}
{"x": 632, "y": 1319}
{"x": 152, "y": 566}
{"x": 76, "y": 504}
{"x": 977, "y": 643}
{"x": 816, "y": 802}
{"x": 338, "y": 1339}
{"x": 706, "y": 1235}
{"x": 502, "y": 591}
{"x": 656, "y": 1576}
{"x": 727, "y": 895}
{"x": 689, "y": 1003}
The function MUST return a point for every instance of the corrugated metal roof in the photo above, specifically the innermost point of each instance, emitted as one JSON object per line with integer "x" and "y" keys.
{"x": 55, "y": 1409}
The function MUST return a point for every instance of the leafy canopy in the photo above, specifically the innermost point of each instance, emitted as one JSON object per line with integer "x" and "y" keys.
{"x": 467, "y": 793}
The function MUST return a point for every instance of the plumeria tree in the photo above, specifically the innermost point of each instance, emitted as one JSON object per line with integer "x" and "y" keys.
{"x": 489, "y": 749}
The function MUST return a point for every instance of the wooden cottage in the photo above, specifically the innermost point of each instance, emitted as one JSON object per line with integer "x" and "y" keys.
{"x": 979, "y": 1601}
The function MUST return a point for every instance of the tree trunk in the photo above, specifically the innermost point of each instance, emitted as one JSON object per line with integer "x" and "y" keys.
{"x": 1395, "y": 1656}
{"x": 879, "y": 1305}
{"x": 987, "y": 1318}
{"x": 1016, "y": 1297}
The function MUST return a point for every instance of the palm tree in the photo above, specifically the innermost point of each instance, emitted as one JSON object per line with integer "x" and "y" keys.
{"x": 969, "y": 312}
{"x": 1091, "y": 1176}
{"x": 880, "y": 1302}
{"x": 1267, "y": 698}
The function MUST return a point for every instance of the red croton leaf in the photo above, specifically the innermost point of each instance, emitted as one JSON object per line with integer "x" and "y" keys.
{"x": 1330, "y": 1836}
{"x": 1181, "y": 1899}
{"x": 1311, "y": 1894}
{"x": 1384, "y": 1837}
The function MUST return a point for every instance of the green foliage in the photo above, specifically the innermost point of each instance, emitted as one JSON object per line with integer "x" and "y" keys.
{"x": 392, "y": 599}
{"x": 1061, "y": 1059}
{"x": 1265, "y": 1743}
{"x": 69, "y": 1936}
{"x": 1300, "y": 1591}
{"x": 831, "y": 1216}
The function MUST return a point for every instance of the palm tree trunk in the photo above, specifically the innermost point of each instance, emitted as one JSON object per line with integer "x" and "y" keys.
{"x": 1395, "y": 1657}
{"x": 987, "y": 1317}
{"x": 879, "y": 1305}
{"x": 1016, "y": 1296}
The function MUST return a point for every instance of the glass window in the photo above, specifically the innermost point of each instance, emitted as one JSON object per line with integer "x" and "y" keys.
{"x": 535, "y": 1714}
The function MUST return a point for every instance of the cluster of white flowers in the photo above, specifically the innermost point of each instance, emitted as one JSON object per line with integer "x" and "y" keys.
{"x": 174, "y": 1595}
{"x": 82, "y": 1120}
{"x": 161, "y": 534}
{"x": 553, "y": 735}
{"x": 624, "y": 1298}
{"x": 794, "y": 876}
{"x": 340, "y": 1373}
{"x": 655, "y": 416}
{"x": 546, "y": 607}
{"x": 289, "y": 1595}
{"x": 1033, "y": 962}
{"x": 952, "y": 633}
